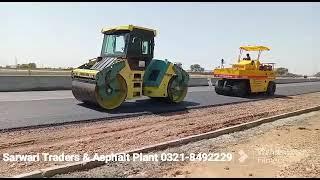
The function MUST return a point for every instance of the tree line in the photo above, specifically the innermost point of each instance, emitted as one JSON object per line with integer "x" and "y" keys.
{"x": 32, "y": 66}
{"x": 281, "y": 71}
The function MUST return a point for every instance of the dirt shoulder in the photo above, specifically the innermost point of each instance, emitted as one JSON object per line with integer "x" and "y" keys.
{"x": 129, "y": 133}
{"x": 285, "y": 148}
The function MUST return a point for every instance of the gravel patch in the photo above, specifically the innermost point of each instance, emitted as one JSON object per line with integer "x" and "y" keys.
{"x": 130, "y": 133}
{"x": 307, "y": 167}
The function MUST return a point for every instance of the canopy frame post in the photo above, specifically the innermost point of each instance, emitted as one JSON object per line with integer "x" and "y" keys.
{"x": 240, "y": 55}
{"x": 259, "y": 55}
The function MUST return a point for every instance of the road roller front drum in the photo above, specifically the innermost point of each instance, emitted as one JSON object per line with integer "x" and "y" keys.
{"x": 109, "y": 96}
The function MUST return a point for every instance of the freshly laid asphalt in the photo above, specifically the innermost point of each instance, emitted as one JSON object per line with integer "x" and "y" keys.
{"x": 38, "y": 108}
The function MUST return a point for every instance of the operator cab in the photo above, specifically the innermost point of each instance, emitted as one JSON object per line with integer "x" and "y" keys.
{"x": 129, "y": 42}
{"x": 134, "y": 43}
{"x": 249, "y": 63}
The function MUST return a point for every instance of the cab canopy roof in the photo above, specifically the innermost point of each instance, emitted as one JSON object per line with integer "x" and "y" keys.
{"x": 254, "y": 48}
{"x": 127, "y": 27}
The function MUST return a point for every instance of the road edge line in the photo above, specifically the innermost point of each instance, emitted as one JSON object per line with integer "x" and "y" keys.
{"x": 83, "y": 165}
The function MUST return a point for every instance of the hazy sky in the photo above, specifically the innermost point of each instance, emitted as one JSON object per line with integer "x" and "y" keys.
{"x": 68, "y": 34}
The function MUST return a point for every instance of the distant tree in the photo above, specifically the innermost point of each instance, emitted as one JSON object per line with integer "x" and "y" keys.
{"x": 317, "y": 75}
{"x": 281, "y": 71}
{"x": 27, "y": 66}
{"x": 23, "y": 66}
{"x": 32, "y": 65}
{"x": 196, "y": 68}
{"x": 293, "y": 75}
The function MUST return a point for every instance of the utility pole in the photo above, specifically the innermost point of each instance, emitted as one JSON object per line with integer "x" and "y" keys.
{"x": 222, "y": 63}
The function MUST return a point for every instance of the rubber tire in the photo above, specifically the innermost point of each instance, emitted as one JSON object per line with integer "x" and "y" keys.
{"x": 240, "y": 89}
{"x": 271, "y": 88}
{"x": 218, "y": 87}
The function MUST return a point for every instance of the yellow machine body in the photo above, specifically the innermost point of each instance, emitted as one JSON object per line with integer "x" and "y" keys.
{"x": 134, "y": 85}
{"x": 161, "y": 90}
{"x": 111, "y": 79}
{"x": 250, "y": 75}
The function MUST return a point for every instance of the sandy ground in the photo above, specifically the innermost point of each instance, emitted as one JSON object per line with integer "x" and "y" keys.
{"x": 129, "y": 133}
{"x": 285, "y": 151}
{"x": 285, "y": 148}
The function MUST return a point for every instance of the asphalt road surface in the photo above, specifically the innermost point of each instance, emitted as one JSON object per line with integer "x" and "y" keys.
{"x": 37, "y": 108}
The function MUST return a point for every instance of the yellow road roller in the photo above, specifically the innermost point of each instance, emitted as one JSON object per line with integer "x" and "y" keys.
{"x": 126, "y": 70}
{"x": 247, "y": 76}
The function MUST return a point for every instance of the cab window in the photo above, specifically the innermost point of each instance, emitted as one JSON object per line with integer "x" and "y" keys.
{"x": 145, "y": 47}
